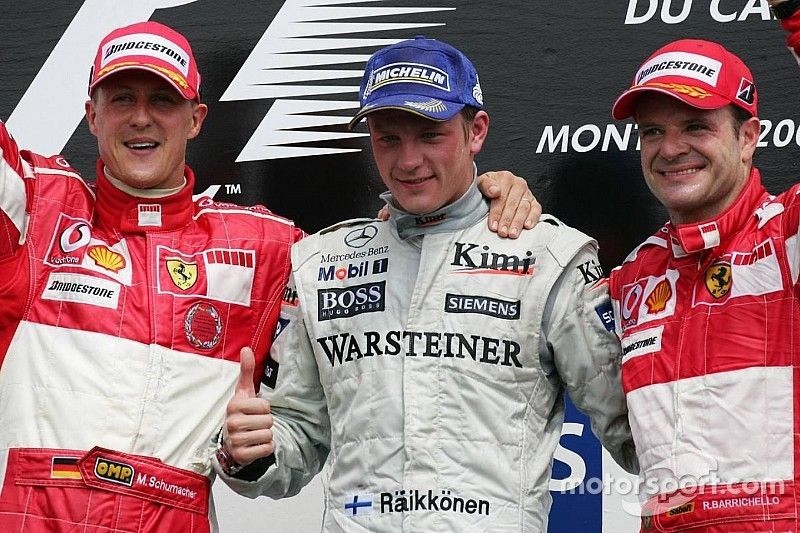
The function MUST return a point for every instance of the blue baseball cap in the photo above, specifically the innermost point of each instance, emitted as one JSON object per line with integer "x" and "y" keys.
{"x": 423, "y": 76}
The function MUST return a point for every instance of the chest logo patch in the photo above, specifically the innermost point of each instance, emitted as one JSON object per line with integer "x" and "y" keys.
{"x": 203, "y": 326}
{"x": 183, "y": 274}
{"x": 719, "y": 279}
{"x": 106, "y": 258}
{"x": 658, "y": 298}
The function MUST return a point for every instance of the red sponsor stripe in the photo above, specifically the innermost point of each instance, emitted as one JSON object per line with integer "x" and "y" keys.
{"x": 248, "y": 260}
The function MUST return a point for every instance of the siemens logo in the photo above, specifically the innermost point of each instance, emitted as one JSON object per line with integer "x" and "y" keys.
{"x": 677, "y": 11}
{"x": 482, "y": 305}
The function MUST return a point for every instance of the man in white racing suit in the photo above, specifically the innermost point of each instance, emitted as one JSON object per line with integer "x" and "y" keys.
{"x": 424, "y": 359}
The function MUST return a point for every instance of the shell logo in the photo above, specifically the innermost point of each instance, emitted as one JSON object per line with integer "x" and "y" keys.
{"x": 106, "y": 258}
{"x": 657, "y": 301}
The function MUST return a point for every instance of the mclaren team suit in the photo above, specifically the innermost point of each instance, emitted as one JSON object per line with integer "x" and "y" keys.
{"x": 426, "y": 359}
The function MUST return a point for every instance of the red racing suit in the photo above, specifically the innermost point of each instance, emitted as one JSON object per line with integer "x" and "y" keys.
{"x": 121, "y": 321}
{"x": 709, "y": 320}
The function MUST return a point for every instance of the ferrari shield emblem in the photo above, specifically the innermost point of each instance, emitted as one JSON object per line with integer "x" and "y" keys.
{"x": 718, "y": 279}
{"x": 184, "y": 275}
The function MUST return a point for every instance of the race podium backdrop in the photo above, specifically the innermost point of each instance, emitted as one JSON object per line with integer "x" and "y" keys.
{"x": 281, "y": 79}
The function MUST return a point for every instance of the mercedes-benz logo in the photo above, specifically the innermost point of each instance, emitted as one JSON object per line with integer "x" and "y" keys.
{"x": 358, "y": 238}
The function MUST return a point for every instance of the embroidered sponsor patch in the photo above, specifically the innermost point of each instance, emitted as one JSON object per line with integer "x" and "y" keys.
{"x": 358, "y": 238}
{"x": 183, "y": 274}
{"x": 683, "y": 64}
{"x": 351, "y": 301}
{"x": 79, "y": 288}
{"x": 114, "y": 471}
{"x": 642, "y": 343}
{"x": 482, "y": 305}
{"x": 407, "y": 73}
{"x": 149, "y": 215}
{"x": 718, "y": 279}
{"x": 203, "y": 326}
{"x": 146, "y": 44}
{"x": 106, "y": 258}
{"x": 222, "y": 274}
{"x": 606, "y": 313}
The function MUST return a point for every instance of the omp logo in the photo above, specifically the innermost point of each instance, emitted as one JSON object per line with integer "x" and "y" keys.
{"x": 114, "y": 471}
{"x": 677, "y": 11}
{"x": 295, "y": 58}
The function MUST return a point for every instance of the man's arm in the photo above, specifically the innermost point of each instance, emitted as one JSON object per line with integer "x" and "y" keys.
{"x": 13, "y": 196}
{"x": 579, "y": 332}
{"x": 277, "y": 439}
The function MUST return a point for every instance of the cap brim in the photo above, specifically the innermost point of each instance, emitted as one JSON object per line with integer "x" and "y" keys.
{"x": 187, "y": 92}
{"x": 625, "y": 106}
{"x": 439, "y": 111}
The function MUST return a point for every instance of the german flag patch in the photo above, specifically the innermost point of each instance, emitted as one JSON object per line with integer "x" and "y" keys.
{"x": 65, "y": 468}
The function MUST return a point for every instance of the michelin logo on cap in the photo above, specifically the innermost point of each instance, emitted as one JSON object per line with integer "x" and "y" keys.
{"x": 407, "y": 73}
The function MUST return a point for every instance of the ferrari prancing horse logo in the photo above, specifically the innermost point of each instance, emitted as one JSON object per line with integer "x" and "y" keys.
{"x": 183, "y": 275}
{"x": 718, "y": 279}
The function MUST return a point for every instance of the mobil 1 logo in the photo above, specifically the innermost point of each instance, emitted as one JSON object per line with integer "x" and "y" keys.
{"x": 351, "y": 301}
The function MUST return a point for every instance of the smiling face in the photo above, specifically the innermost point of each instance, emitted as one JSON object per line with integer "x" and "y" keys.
{"x": 425, "y": 164}
{"x": 693, "y": 160}
{"x": 142, "y": 125}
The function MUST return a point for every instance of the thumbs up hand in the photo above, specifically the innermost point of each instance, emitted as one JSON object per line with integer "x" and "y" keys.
{"x": 247, "y": 432}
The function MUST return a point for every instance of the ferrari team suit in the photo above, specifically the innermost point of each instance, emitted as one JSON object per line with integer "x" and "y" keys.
{"x": 426, "y": 359}
{"x": 121, "y": 321}
{"x": 708, "y": 317}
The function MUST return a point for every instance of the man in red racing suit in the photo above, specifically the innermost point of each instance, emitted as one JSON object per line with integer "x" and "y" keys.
{"x": 707, "y": 308}
{"x": 122, "y": 312}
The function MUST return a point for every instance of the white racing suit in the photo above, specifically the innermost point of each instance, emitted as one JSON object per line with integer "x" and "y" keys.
{"x": 428, "y": 366}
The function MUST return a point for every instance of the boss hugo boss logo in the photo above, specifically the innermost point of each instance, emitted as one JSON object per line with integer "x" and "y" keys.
{"x": 358, "y": 238}
{"x": 351, "y": 301}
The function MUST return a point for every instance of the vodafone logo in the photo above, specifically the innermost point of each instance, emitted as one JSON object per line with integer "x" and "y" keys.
{"x": 631, "y": 300}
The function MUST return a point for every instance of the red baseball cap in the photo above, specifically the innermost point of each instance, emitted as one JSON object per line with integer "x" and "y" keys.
{"x": 149, "y": 46}
{"x": 702, "y": 74}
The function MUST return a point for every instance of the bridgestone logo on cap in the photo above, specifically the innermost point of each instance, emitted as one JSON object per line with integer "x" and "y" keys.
{"x": 146, "y": 44}
{"x": 684, "y": 64}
